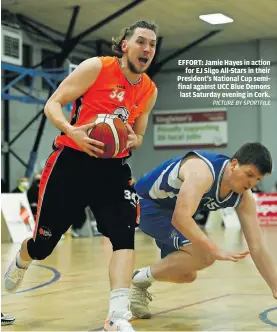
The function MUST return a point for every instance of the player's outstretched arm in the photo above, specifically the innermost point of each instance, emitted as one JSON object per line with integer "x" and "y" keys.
{"x": 197, "y": 179}
{"x": 71, "y": 88}
{"x": 250, "y": 225}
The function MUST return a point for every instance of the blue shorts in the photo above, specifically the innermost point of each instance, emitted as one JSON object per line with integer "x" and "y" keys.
{"x": 155, "y": 221}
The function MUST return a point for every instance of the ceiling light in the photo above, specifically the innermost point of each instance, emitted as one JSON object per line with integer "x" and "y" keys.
{"x": 216, "y": 18}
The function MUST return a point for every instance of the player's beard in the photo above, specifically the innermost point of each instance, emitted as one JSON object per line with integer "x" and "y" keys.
{"x": 133, "y": 69}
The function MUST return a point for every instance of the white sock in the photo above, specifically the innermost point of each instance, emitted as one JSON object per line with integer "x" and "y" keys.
{"x": 143, "y": 275}
{"x": 21, "y": 263}
{"x": 119, "y": 301}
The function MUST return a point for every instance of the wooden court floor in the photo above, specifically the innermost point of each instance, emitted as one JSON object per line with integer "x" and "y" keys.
{"x": 69, "y": 290}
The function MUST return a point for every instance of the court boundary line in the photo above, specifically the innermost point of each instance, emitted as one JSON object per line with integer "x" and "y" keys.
{"x": 263, "y": 316}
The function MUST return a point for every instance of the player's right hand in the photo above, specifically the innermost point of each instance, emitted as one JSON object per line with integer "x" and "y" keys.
{"x": 81, "y": 138}
{"x": 222, "y": 255}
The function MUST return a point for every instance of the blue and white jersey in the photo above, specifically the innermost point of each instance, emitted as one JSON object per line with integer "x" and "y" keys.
{"x": 162, "y": 184}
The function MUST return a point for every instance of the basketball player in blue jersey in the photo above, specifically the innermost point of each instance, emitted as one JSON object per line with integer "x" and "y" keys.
{"x": 173, "y": 192}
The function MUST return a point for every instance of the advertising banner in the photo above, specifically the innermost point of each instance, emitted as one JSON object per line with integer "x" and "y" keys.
{"x": 198, "y": 128}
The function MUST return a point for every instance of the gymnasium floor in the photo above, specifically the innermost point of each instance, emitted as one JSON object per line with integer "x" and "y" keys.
{"x": 69, "y": 290}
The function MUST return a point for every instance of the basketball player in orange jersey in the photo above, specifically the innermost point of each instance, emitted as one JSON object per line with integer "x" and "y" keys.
{"x": 74, "y": 177}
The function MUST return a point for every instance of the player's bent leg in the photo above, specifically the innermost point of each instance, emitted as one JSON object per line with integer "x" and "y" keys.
{"x": 158, "y": 226}
{"x": 169, "y": 269}
{"x": 181, "y": 266}
{"x": 116, "y": 217}
{"x": 176, "y": 266}
{"x": 37, "y": 248}
{"x": 54, "y": 217}
{"x": 202, "y": 259}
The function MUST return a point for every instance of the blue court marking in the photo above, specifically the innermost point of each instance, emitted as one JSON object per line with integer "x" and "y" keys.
{"x": 56, "y": 277}
{"x": 263, "y": 316}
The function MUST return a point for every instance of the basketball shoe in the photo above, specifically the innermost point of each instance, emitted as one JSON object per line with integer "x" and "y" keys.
{"x": 140, "y": 298}
{"x": 119, "y": 322}
{"x": 13, "y": 277}
{"x": 6, "y": 319}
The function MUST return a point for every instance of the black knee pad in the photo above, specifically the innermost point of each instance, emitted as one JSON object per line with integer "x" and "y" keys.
{"x": 39, "y": 250}
{"x": 122, "y": 237}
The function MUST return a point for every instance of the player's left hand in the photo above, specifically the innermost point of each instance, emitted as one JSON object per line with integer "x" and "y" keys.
{"x": 132, "y": 138}
{"x": 274, "y": 294}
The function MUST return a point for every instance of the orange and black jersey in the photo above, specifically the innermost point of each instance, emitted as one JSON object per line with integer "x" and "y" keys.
{"x": 111, "y": 93}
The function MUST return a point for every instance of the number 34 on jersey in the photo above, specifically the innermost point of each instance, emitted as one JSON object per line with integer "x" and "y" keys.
{"x": 117, "y": 94}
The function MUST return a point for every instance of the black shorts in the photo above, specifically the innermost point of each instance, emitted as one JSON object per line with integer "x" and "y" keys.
{"x": 72, "y": 180}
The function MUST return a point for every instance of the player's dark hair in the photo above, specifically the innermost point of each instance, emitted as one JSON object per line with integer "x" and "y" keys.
{"x": 128, "y": 33}
{"x": 255, "y": 154}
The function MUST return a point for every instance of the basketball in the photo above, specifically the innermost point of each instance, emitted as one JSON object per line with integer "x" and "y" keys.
{"x": 110, "y": 130}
